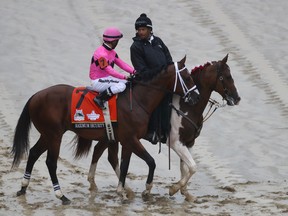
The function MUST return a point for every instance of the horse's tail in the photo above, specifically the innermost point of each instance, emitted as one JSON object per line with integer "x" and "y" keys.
{"x": 82, "y": 146}
{"x": 21, "y": 136}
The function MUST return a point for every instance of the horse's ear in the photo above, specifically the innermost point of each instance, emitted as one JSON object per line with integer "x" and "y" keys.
{"x": 183, "y": 60}
{"x": 224, "y": 60}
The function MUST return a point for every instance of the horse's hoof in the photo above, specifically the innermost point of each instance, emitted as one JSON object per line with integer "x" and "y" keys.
{"x": 173, "y": 189}
{"x": 65, "y": 200}
{"x": 190, "y": 198}
{"x": 93, "y": 188}
{"x": 124, "y": 197}
{"x": 128, "y": 190}
{"x": 130, "y": 194}
{"x": 146, "y": 193}
{"x": 22, "y": 191}
{"x": 122, "y": 193}
{"x": 147, "y": 196}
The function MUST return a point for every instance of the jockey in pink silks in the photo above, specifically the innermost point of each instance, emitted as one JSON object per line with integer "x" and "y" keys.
{"x": 104, "y": 78}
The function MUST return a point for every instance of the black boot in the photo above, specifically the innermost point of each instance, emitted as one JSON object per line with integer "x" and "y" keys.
{"x": 152, "y": 137}
{"x": 102, "y": 98}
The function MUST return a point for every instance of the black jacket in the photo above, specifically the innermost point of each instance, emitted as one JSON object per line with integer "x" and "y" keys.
{"x": 149, "y": 57}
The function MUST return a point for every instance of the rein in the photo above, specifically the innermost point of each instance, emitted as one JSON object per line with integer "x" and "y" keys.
{"x": 212, "y": 103}
{"x": 179, "y": 112}
{"x": 206, "y": 117}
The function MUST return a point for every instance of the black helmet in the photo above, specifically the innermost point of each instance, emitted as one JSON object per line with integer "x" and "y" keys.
{"x": 143, "y": 21}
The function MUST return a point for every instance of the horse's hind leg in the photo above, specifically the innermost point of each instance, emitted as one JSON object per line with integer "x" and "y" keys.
{"x": 35, "y": 152}
{"x": 97, "y": 153}
{"x": 51, "y": 162}
{"x": 113, "y": 159}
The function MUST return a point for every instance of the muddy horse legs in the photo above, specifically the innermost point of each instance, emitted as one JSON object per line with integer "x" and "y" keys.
{"x": 140, "y": 151}
{"x": 112, "y": 158}
{"x": 35, "y": 152}
{"x": 187, "y": 167}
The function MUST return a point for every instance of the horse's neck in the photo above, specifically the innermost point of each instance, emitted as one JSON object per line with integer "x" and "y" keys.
{"x": 204, "y": 88}
{"x": 150, "y": 94}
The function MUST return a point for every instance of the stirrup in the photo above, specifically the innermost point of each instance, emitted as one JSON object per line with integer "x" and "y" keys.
{"x": 99, "y": 103}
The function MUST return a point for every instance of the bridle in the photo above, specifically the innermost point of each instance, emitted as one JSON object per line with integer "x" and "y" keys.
{"x": 211, "y": 101}
{"x": 185, "y": 89}
{"x": 178, "y": 76}
{"x": 220, "y": 78}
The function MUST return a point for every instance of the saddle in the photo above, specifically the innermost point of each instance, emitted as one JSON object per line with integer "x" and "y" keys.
{"x": 86, "y": 114}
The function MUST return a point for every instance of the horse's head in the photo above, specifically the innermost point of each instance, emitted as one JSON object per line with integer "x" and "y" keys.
{"x": 224, "y": 83}
{"x": 183, "y": 81}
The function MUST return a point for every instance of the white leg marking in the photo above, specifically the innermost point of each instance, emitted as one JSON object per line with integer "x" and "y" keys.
{"x": 91, "y": 177}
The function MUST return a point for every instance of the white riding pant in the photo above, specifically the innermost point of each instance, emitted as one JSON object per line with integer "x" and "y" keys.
{"x": 116, "y": 85}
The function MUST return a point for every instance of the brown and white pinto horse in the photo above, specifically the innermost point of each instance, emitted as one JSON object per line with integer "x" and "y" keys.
{"x": 215, "y": 76}
{"x": 49, "y": 111}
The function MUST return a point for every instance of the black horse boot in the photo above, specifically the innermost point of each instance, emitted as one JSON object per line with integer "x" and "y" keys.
{"x": 102, "y": 98}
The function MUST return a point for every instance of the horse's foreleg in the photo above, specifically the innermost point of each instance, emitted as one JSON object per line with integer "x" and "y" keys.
{"x": 152, "y": 165}
{"x": 125, "y": 161}
{"x": 143, "y": 154}
{"x": 186, "y": 173}
{"x": 114, "y": 161}
{"x": 51, "y": 163}
{"x": 35, "y": 152}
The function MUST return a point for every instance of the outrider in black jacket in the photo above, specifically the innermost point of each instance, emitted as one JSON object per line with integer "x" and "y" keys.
{"x": 149, "y": 57}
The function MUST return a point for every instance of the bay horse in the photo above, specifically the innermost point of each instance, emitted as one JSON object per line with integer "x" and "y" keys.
{"x": 49, "y": 111}
{"x": 215, "y": 76}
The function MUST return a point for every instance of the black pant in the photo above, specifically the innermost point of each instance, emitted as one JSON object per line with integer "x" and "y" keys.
{"x": 160, "y": 118}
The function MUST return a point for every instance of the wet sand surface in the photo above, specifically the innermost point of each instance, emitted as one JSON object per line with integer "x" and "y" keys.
{"x": 242, "y": 151}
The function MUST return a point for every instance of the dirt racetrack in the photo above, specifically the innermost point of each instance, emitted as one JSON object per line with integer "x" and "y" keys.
{"x": 242, "y": 151}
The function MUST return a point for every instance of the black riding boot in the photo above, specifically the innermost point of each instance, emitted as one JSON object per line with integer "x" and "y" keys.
{"x": 102, "y": 98}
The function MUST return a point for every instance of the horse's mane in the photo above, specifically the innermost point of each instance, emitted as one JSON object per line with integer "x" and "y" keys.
{"x": 200, "y": 68}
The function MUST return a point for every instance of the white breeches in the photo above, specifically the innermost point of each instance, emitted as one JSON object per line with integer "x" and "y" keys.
{"x": 116, "y": 85}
